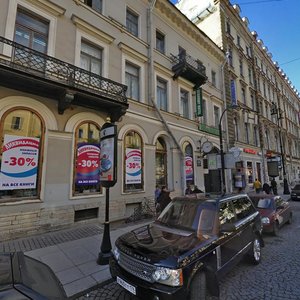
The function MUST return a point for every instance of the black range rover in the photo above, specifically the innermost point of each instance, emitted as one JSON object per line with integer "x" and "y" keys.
{"x": 185, "y": 251}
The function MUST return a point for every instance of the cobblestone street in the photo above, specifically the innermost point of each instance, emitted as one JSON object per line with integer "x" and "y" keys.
{"x": 276, "y": 278}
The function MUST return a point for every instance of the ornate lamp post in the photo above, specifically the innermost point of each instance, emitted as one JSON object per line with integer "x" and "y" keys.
{"x": 276, "y": 111}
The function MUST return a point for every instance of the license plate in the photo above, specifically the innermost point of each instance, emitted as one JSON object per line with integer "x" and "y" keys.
{"x": 126, "y": 285}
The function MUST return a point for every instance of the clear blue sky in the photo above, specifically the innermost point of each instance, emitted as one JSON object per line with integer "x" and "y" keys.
{"x": 277, "y": 23}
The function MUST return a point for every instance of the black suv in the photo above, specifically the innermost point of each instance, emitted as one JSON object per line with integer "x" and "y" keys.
{"x": 185, "y": 251}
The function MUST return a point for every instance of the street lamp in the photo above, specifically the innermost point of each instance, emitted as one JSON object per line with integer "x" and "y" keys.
{"x": 223, "y": 185}
{"x": 275, "y": 111}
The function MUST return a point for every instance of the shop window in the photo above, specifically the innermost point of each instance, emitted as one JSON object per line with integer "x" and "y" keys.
{"x": 161, "y": 174}
{"x": 133, "y": 162}
{"x": 189, "y": 164}
{"x": 249, "y": 172}
{"x": 21, "y": 136}
{"x": 87, "y": 157}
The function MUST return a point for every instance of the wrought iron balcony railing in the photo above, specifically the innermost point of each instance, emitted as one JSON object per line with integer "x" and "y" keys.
{"x": 186, "y": 66}
{"x": 21, "y": 58}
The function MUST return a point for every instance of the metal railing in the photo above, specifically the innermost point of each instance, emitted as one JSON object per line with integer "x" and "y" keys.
{"x": 33, "y": 62}
{"x": 189, "y": 60}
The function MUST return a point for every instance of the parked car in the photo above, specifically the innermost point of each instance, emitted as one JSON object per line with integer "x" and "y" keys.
{"x": 23, "y": 277}
{"x": 295, "y": 192}
{"x": 274, "y": 211}
{"x": 188, "y": 248}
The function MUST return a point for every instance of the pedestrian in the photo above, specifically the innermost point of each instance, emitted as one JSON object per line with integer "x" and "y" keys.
{"x": 196, "y": 190}
{"x": 163, "y": 200}
{"x": 266, "y": 188}
{"x": 257, "y": 185}
{"x": 274, "y": 186}
{"x": 188, "y": 190}
{"x": 156, "y": 193}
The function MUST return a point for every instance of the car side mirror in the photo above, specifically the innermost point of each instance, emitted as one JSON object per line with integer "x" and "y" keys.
{"x": 227, "y": 227}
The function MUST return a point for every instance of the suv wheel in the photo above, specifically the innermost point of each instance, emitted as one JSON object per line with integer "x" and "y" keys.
{"x": 198, "y": 287}
{"x": 255, "y": 254}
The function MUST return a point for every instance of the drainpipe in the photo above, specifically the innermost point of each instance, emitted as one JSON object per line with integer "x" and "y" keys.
{"x": 151, "y": 91}
{"x": 228, "y": 177}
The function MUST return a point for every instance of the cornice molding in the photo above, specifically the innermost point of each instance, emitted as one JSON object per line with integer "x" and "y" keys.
{"x": 49, "y": 6}
{"x": 132, "y": 52}
{"x": 85, "y": 26}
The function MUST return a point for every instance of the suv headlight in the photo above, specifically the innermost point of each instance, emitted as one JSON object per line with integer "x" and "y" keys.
{"x": 265, "y": 220}
{"x": 116, "y": 253}
{"x": 168, "y": 276}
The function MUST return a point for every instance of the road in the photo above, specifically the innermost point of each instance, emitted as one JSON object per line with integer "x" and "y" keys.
{"x": 277, "y": 277}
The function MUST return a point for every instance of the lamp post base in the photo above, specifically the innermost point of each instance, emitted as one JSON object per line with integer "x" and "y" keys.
{"x": 286, "y": 190}
{"x": 105, "y": 254}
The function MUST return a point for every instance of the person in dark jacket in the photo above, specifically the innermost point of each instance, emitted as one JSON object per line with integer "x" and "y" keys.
{"x": 163, "y": 200}
{"x": 266, "y": 188}
{"x": 274, "y": 186}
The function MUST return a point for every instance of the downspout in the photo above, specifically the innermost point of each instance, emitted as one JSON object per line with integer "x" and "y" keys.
{"x": 228, "y": 180}
{"x": 151, "y": 90}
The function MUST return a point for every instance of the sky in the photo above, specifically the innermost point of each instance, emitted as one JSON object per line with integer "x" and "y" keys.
{"x": 277, "y": 23}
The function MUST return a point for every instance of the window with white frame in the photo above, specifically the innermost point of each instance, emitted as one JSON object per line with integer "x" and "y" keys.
{"x": 94, "y": 4}
{"x": 247, "y": 133}
{"x": 162, "y": 94}
{"x": 216, "y": 116}
{"x": 91, "y": 58}
{"x": 31, "y": 31}
{"x": 213, "y": 78}
{"x": 132, "y": 22}
{"x": 160, "y": 42}
{"x": 184, "y": 103}
{"x": 244, "y": 95}
{"x": 132, "y": 80}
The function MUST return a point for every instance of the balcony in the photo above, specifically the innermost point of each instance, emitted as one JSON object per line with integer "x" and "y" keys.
{"x": 189, "y": 68}
{"x": 30, "y": 71}
{"x": 209, "y": 129}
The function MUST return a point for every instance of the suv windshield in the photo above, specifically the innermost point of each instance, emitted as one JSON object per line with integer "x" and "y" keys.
{"x": 190, "y": 214}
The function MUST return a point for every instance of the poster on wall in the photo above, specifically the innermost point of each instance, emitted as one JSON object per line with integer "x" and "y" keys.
{"x": 87, "y": 166}
{"x": 189, "y": 171}
{"x": 107, "y": 159}
{"x": 133, "y": 164}
{"x": 20, "y": 157}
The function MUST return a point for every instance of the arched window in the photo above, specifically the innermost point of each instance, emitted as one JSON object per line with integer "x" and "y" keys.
{"x": 189, "y": 164}
{"x": 21, "y": 134}
{"x": 133, "y": 162}
{"x": 86, "y": 179}
{"x": 161, "y": 174}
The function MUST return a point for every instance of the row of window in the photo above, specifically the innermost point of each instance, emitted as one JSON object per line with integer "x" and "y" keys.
{"x": 22, "y": 148}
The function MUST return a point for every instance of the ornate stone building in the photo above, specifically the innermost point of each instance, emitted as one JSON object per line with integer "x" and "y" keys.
{"x": 267, "y": 126}
{"x": 65, "y": 67}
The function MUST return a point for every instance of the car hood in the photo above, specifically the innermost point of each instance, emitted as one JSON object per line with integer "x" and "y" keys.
{"x": 265, "y": 212}
{"x": 155, "y": 243}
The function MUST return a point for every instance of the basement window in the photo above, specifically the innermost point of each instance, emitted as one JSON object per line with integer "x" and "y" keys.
{"x": 86, "y": 214}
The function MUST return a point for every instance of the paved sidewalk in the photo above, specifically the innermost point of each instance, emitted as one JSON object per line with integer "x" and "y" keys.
{"x": 71, "y": 254}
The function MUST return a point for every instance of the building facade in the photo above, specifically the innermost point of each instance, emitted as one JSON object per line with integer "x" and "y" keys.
{"x": 266, "y": 127}
{"x": 68, "y": 66}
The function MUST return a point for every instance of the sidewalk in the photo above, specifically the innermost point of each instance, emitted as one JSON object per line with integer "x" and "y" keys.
{"x": 71, "y": 254}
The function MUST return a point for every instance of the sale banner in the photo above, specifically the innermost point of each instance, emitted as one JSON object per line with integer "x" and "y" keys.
{"x": 133, "y": 163}
{"x": 87, "y": 164}
{"x": 189, "y": 171}
{"x": 19, "y": 166}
